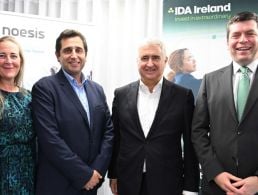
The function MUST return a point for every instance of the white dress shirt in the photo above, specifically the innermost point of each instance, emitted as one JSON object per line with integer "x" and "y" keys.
{"x": 147, "y": 105}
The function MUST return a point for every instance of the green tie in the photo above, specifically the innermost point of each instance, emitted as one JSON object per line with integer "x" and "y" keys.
{"x": 242, "y": 91}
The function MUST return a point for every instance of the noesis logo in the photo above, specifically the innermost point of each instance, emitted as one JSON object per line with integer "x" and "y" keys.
{"x": 23, "y": 32}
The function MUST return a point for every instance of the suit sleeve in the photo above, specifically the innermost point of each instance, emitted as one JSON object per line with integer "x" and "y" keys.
{"x": 112, "y": 172}
{"x": 102, "y": 160}
{"x": 191, "y": 166}
{"x": 200, "y": 135}
{"x": 50, "y": 140}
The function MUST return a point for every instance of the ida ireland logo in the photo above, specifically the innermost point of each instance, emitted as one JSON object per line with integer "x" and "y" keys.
{"x": 199, "y": 10}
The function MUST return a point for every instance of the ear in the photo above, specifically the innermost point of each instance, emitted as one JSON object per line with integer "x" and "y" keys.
{"x": 57, "y": 56}
{"x": 166, "y": 59}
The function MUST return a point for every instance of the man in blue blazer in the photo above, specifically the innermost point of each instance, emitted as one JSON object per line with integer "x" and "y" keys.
{"x": 73, "y": 125}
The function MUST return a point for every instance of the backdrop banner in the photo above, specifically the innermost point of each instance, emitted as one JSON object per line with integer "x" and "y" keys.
{"x": 201, "y": 26}
{"x": 37, "y": 37}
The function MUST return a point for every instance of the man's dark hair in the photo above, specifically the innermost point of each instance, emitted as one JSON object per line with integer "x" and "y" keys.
{"x": 68, "y": 33}
{"x": 241, "y": 17}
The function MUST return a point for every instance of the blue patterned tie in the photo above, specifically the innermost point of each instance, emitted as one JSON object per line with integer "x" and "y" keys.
{"x": 242, "y": 91}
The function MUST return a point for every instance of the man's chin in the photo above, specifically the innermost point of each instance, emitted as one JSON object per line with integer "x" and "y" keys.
{"x": 244, "y": 61}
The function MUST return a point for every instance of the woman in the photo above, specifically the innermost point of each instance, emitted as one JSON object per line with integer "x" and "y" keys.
{"x": 183, "y": 64}
{"x": 17, "y": 137}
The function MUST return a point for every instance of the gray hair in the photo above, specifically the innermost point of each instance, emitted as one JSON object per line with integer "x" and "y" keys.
{"x": 153, "y": 41}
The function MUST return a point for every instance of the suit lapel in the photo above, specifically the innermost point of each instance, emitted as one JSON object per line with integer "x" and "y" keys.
{"x": 91, "y": 101}
{"x": 252, "y": 97}
{"x": 132, "y": 96}
{"x": 71, "y": 95}
{"x": 226, "y": 85}
{"x": 165, "y": 100}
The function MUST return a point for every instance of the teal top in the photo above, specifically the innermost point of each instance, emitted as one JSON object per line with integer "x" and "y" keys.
{"x": 17, "y": 145}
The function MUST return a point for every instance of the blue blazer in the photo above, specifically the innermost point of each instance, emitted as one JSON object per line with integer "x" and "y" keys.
{"x": 69, "y": 147}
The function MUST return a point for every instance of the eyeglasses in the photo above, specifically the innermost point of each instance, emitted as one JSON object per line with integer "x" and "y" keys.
{"x": 154, "y": 58}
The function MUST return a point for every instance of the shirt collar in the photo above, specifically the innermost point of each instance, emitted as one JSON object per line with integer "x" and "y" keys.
{"x": 72, "y": 79}
{"x": 156, "y": 87}
{"x": 252, "y": 66}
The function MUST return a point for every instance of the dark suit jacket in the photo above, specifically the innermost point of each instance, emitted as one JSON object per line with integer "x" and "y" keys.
{"x": 221, "y": 141}
{"x": 69, "y": 148}
{"x": 167, "y": 172}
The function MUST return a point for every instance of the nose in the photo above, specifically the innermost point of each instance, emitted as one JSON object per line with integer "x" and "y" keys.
{"x": 8, "y": 58}
{"x": 150, "y": 62}
{"x": 73, "y": 53}
{"x": 243, "y": 38}
{"x": 194, "y": 61}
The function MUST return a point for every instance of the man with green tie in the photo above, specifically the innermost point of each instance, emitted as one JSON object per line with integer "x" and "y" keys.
{"x": 225, "y": 122}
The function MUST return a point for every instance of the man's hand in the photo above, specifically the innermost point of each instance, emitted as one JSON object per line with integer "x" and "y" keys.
{"x": 113, "y": 186}
{"x": 247, "y": 186}
{"x": 94, "y": 180}
{"x": 224, "y": 180}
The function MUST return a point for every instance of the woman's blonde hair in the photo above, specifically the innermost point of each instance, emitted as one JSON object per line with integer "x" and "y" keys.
{"x": 176, "y": 62}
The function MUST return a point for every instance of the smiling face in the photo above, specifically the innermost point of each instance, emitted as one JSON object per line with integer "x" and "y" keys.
{"x": 243, "y": 41}
{"x": 72, "y": 56}
{"x": 151, "y": 64}
{"x": 10, "y": 61}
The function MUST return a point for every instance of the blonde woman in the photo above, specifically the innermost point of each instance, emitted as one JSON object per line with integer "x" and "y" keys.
{"x": 17, "y": 138}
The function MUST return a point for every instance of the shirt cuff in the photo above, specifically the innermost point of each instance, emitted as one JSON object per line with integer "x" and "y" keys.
{"x": 189, "y": 193}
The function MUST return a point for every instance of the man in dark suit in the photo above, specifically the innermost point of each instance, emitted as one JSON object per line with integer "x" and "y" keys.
{"x": 73, "y": 125}
{"x": 150, "y": 116}
{"x": 225, "y": 137}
